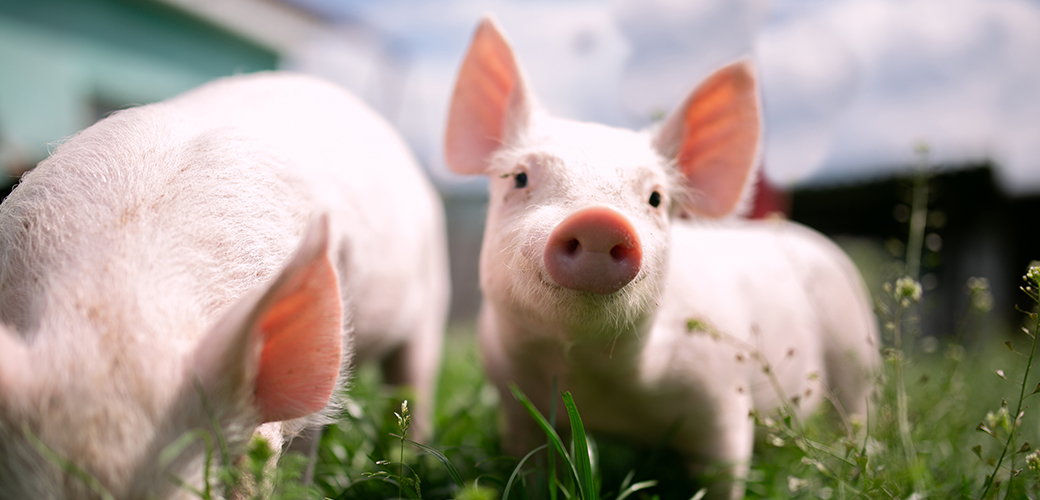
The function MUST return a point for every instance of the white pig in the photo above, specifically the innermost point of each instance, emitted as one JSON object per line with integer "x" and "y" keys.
{"x": 590, "y": 276}
{"x": 148, "y": 290}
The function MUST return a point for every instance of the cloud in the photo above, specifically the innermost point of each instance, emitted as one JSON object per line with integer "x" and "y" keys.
{"x": 849, "y": 86}
{"x": 571, "y": 52}
{"x": 962, "y": 76}
{"x": 809, "y": 76}
{"x": 676, "y": 44}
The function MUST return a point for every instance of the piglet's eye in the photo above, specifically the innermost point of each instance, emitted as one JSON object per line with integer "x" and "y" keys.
{"x": 655, "y": 199}
{"x": 520, "y": 180}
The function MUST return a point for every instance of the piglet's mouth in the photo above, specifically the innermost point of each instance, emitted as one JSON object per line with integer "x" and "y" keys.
{"x": 557, "y": 288}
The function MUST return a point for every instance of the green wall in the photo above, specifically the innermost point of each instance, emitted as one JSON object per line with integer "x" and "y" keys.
{"x": 65, "y": 62}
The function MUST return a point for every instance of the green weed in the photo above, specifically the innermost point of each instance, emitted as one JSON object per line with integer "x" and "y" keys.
{"x": 945, "y": 421}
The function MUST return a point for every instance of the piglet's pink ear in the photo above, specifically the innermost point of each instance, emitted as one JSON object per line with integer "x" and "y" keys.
{"x": 490, "y": 102}
{"x": 714, "y": 137}
{"x": 283, "y": 344}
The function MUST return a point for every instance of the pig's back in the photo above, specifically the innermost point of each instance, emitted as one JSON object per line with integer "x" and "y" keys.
{"x": 353, "y": 163}
{"x": 783, "y": 289}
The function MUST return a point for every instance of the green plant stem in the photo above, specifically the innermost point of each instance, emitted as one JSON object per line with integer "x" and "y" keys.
{"x": 915, "y": 241}
{"x": 1018, "y": 411}
{"x": 400, "y": 468}
{"x": 918, "y": 219}
{"x": 902, "y": 402}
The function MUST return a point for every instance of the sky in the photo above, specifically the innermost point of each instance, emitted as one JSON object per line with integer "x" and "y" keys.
{"x": 850, "y": 88}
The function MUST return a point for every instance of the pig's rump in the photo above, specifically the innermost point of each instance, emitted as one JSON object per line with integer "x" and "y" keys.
{"x": 132, "y": 257}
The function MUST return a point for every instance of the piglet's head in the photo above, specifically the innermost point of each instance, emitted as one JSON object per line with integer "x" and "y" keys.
{"x": 91, "y": 416}
{"x": 579, "y": 213}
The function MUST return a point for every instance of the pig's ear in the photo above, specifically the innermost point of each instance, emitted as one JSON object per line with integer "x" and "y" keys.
{"x": 14, "y": 364}
{"x": 714, "y": 138}
{"x": 490, "y": 103}
{"x": 281, "y": 345}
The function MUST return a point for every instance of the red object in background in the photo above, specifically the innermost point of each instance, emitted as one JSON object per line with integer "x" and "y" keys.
{"x": 769, "y": 199}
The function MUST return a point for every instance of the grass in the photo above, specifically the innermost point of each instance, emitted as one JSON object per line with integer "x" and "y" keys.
{"x": 958, "y": 418}
{"x": 959, "y": 407}
{"x": 947, "y": 420}
{"x": 963, "y": 430}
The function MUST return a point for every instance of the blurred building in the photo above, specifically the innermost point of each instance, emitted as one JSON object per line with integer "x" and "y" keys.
{"x": 66, "y": 63}
{"x": 974, "y": 230}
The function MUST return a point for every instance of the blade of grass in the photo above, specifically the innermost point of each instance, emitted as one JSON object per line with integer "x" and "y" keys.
{"x": 636, "y": 487}
{"x": 174, "y": 450}
{"x": 516, "y": 470}
{"x": 452, "y": 471}
{"x": 628, "y": 479}
{"x": 552, "y": 456}
{"x": 586, "y": 482}
{"x": 67, "y": 465}
{"x": 563, "y": 488}
{"x": 554, "y": 438}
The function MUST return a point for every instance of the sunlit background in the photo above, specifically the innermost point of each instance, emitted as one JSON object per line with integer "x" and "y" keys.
{"x": 854, "y": 91}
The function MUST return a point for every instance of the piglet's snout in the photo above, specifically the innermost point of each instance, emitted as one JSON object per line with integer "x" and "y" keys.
{"x": 594, "y": 250}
